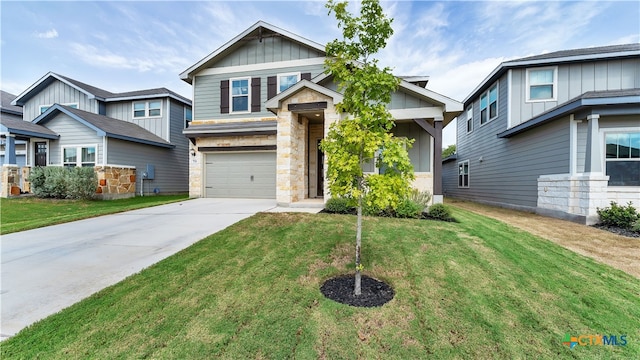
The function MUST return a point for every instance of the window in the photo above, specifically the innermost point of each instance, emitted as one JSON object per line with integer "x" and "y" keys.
{"x": 623, "y": 158}
{"x": 286, "y": 81}
{"x": 463, "y": 174}
{"x": 240, "y": 94}
{"x": 44, "y": 108}
{"x": 142, "y": 109}
{"x": 470, "y": 119}
{"x": 541, "y": 84}
{"x": 489, "y": 105}
{"x": 87, "y": 156}
{"x": 188, "y": 116}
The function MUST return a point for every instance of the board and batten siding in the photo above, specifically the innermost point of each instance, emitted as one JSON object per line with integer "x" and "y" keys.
{"x": 607, "y": 124}
{"x": 123, "y": 110}
{"x": 403, "y": 100}
{"x": 73, "y": 134}
{"x": 168, "y": 178}
{"x": 574, "y": 80}
{"x": 270, "y": 49}
{"x": 58, "y": 93}
{"x": 420, "y": 152}
{"x": 207, "y": 91}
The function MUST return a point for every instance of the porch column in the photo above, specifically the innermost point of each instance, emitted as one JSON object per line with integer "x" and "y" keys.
{"x": 438, "y": 197}
{"x": 10, "y": 150}
{"x": 593, "y": 161}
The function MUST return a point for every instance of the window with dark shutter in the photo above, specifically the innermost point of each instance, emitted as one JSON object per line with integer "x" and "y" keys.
{"x": 224, "y": 96}
{"x": 255, "y": 94}
{"x": 305, "y": 76}
{"x": 272, "y": 86}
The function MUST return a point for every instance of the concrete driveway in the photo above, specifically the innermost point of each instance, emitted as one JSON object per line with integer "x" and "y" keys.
{"x": 47, "y": 269}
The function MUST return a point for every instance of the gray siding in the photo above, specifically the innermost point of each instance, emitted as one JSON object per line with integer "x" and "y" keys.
{"x": 168, "y": 178}
{"x": 581, "y": 147}
{"x": 420, "y": 152}
{"x": 57, "y": 93}
{"x": 72, "y": 133}
{"x": 156, "y": 125}
{"x": 270, "y": 49}
{"x": 402, "y": 100}
{"x": 574, "y": 80}
{"x": 207, "y": 91}
{"x": 606, "y": 123}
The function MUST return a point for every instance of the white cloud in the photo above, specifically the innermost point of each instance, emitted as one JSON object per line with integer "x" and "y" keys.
{"x": 49, "y": 34}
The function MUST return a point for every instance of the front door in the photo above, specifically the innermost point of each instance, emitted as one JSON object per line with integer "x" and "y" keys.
{"x": 320, "y": 177}
{"x": 41, "y": 153}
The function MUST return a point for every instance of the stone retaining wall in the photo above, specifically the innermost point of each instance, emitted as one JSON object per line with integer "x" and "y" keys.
{"x": 577, "y": 196}
{"x": 115, "y": 182}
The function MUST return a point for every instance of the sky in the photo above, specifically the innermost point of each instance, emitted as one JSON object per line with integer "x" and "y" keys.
{"x": 124, "y": 45}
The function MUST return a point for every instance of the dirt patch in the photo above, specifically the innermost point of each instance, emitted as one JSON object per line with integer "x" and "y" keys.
{"x": 618, "y": 251}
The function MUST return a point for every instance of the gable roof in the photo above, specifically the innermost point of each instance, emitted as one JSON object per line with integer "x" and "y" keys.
{"x": 257, "y": 30}
{"x": 94, "y": 92}
{"x": 555, "y": 58}
{"x": 5, "y": 104}
{"x": 105, "y": 126}
{"x": 274, "y": 103}
{"x": 25, "y": 129}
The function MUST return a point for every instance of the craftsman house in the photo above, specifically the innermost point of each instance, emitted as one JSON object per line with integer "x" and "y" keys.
{"x": 558, "y": 134}
{"x": 262, "y": 103}
{"x": 134, "y": 140}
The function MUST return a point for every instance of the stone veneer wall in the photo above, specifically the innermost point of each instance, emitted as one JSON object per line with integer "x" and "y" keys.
{"x": 115, "y": 182}
{"x": 423, "y": 182}
{"x": 574, "y": 197}
{"x": 10, "y": 180}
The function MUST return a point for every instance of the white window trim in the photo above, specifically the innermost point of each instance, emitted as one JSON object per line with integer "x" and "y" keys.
{"x": 286, "y": 74}
{"x": 78, "y": 153}
{"x": 231, "y": 80}
{"x": 50, "y": 105}
{"x": 469, "y": 119}
{"x": 146, "y": 109}
{"x": 554, "y": 95}
{"x": 603, "y": 150}
{"x": 489, "y": 119}
{"x": 468, "y": 174}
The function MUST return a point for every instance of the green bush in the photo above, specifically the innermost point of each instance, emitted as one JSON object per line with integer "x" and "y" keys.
{"x": 620, "y": 216}
{"x": 439, "y": 212}
{"x": 339, "y": 205}
{"x": 409, "y": 209}
{"x": 422, "y": 198}
{"x": 63, "y": 183}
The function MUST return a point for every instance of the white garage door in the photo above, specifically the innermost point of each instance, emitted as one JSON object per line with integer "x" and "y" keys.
{"x": 240, "y": 175}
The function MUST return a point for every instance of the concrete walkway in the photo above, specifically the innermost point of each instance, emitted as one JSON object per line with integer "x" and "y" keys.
{"x": 48, "y": 269}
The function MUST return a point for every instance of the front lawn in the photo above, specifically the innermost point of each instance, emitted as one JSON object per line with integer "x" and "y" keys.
{"x": 474, "y": 289}
{"x": 24, "y": 213}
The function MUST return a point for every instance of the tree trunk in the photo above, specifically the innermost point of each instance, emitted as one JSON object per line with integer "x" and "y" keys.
{"x": 357, "y": 290}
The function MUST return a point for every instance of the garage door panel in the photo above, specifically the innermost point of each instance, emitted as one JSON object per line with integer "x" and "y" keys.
{"x": 241, "y": 175}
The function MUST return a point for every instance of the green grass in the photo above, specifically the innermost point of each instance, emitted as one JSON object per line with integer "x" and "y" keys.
{"x": 469, "y": 290}
{"x": 24, "y": 213}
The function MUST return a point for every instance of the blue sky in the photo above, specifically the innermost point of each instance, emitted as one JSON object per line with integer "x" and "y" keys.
{"x": 123, "y": 45}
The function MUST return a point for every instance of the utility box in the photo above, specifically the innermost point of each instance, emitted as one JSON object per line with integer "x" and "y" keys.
{"x": 151, "y": 172}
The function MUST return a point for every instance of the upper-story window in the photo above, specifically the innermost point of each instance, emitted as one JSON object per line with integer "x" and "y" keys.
{"x": 44, "y": 108}
{"x": 489, "y": 105}
{"x": 541, "y": 84}
{"x": 623, "y": 158}
{"x": 470, "y": 119}
{"x": 286, "y": 81}
{"x": 240, "y": 94}
{"x": 188, "y": 116}
{"x": 143, "y": 109}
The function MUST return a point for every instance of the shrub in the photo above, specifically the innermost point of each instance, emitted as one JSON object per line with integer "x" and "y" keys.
{"x": 422, "y": 198}
{"x": 63, "y": 183}
{"x": 620, "y": 216}
{"x": 409, "y": 209}
{"x": 439, "y": 212}
{"x": 338, "y": 205}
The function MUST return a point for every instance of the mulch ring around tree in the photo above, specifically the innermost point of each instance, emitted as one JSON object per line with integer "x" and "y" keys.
{"x": 373, "y": 292}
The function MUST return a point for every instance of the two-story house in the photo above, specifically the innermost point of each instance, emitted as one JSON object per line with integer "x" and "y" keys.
{"x": 134, "y": 139}
{"x": 557, "y": 133}
{"x": 262, "y": 103}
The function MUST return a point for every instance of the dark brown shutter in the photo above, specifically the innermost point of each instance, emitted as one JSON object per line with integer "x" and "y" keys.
{"x": 255, "y": 94}
{"x": 305, "y": 76}
{"x": 224, "y": 96}
{"x": 272, "y": 86}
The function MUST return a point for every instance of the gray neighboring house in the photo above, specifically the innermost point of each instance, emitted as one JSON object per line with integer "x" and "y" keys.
{"x": 134, "y": 140}
{"x": 557, "y": 134}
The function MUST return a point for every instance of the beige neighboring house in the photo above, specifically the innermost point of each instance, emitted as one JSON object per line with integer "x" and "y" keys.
{"x": 261, "y": 105}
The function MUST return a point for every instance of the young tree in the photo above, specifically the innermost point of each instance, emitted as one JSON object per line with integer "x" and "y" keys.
{"x": 365, "y": 134}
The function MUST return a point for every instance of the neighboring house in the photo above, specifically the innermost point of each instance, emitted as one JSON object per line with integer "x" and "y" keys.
{"x": 132, "y": 139}
{"x": 262, "y": 103}
{"x": 558, "y": 134}
{"x": 9, "y": 114}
